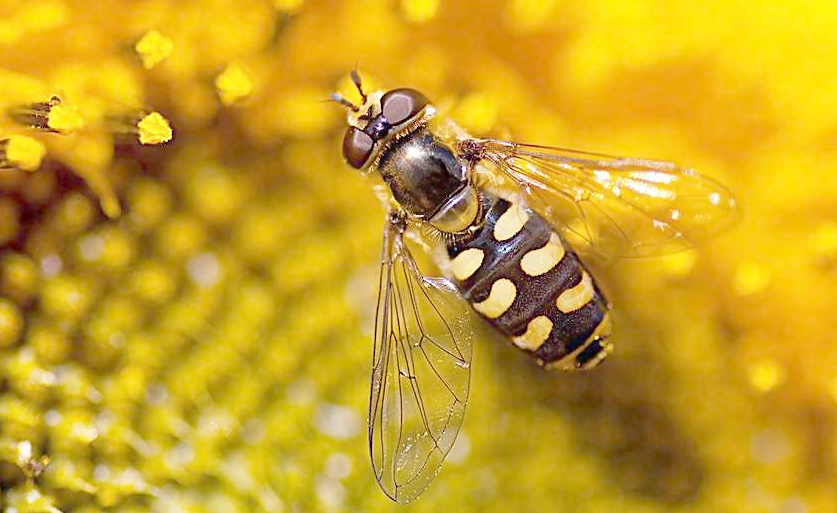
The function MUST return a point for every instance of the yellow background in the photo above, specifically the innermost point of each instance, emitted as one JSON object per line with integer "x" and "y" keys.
{"x": 205, "y": 350}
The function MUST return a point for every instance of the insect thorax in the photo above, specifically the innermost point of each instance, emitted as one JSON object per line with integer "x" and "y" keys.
{"x": 429, "y": 181}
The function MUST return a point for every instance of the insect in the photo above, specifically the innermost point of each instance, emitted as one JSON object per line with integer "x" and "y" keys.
{"x": 503, "y": 221}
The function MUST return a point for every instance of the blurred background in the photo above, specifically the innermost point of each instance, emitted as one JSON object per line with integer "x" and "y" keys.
{"x": 187, "y": 265}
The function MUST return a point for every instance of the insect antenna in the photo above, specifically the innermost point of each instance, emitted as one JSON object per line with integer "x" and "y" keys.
{"x": 336, "y": 97}
{"x": 356, "y": 80}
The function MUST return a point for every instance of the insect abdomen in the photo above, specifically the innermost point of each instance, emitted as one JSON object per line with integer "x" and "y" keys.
{"x": 528, "y": 283}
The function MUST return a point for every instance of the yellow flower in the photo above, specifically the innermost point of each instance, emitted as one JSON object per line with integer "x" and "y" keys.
{"x": 187, "y": 327}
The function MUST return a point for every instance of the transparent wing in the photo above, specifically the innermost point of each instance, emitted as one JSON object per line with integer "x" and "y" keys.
{"x": 420, "y": 374}
{"x": 615, "y": 206}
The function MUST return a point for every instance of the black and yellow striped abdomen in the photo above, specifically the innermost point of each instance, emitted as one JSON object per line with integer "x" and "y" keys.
{"x": 528, "y": 283}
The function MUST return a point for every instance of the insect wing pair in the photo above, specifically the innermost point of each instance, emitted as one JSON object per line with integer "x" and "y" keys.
{"x": 617, "y": 207}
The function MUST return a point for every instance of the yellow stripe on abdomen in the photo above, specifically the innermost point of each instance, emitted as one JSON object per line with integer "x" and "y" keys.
{"x": 537, "y": 331}
{"x": 511, "y": 222}
{"x": 574, "y": 298}
{"x": 542, "y": 260}
{"x": 500, "y": 298}
{"x": 465, "y": 264}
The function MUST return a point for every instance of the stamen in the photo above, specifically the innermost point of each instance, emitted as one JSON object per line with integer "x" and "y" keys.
{"x": 356, "y": 80}
{"x": 154, "y": 129}
{"x": 149, "y": 128}
{"x": 50, "y": 116}
{"x": 21, "y": 152}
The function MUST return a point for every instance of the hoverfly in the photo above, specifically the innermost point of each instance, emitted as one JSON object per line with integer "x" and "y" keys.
{"x": 503, "y": 221}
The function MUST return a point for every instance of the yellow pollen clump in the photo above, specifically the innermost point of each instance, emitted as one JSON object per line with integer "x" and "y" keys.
{"x": 22, "y": 152}
{"x": 765, "y": 375}
{"x": 64, "y": 120}
{"x": 233, "y": 84}
{"x": 154, "y": 129}
{"x": 153, "y": 48}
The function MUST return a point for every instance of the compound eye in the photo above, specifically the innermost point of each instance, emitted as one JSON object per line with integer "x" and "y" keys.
{"x": 357, "y": 146}
{"x": 399, "y": 105}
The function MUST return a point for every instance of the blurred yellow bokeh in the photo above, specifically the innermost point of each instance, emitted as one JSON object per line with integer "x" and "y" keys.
{"x": 187, "y": 266}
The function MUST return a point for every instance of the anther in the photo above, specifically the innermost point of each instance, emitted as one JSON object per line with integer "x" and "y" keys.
{"x": 50, "y": 116}
{"x": 149, "y": 128}
{"x": 21, "y": 152}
